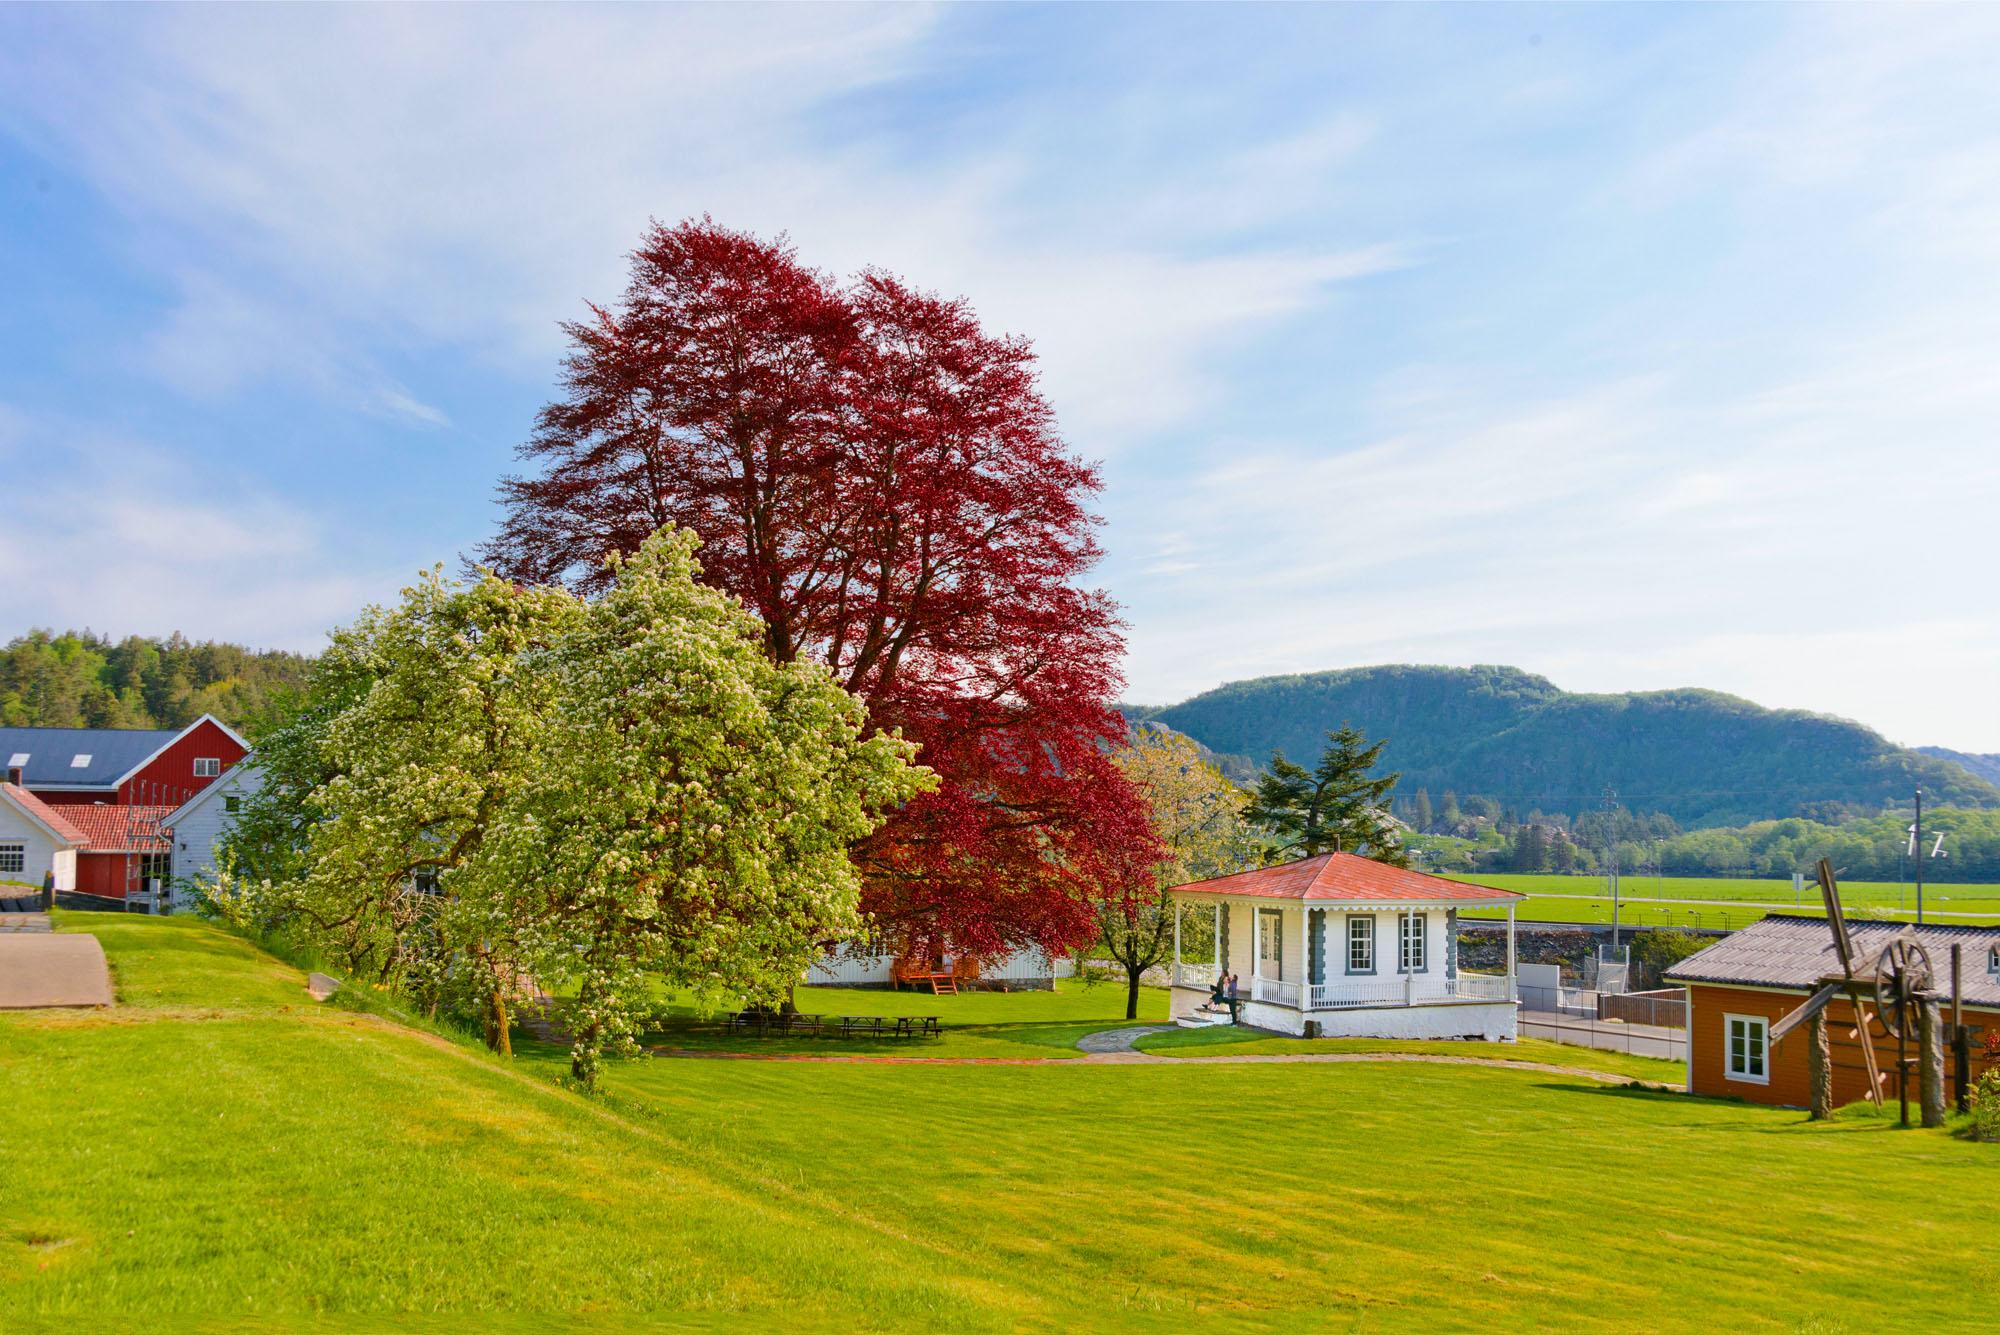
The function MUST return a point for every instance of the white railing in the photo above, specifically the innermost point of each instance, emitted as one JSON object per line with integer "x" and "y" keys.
{"x": 1483, "y": 987}
{"x": 1194, "y": 975}
{"x": 1274, "y": 991}
{"x": 1366, "y": 992}
{"x": 1423, "y": 990}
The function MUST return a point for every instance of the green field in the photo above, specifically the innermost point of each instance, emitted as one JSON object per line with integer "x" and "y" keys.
{"x": 1727, "y": 903}
{"x": 220, "y": 1146}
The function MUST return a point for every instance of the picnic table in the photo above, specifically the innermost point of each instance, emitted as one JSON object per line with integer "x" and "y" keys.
{"x": 786, "y": 1024}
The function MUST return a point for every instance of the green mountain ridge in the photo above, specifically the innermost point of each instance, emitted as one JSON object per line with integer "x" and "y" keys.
{"x": 1985, "y": 767}
{"x": 1702, "y": 757}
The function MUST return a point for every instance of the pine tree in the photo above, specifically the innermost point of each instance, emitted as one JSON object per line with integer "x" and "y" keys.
{"x": 1421, "y": 814}
{"x": 1335, "y": 807}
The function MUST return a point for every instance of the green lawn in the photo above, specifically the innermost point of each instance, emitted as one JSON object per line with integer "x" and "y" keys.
{"x": 1726, "y": 902}
{"x": 1225, "y": 1041}
{"x": 243, "y": 1152}
{"x": 976, "y": 1024}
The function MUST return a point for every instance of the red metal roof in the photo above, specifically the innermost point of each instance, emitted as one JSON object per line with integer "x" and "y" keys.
{"x": 1345, "y": 877}
{"x": 108, "y": 828}
{"x": 43, "y": 812}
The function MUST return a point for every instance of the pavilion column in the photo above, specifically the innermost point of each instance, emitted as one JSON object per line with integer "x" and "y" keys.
{"x": 1513, "y": 991}
{"x": 1174, "y": 974}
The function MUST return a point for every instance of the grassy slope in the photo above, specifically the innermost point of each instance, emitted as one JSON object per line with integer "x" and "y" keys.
{"x": 266, "y": 1155}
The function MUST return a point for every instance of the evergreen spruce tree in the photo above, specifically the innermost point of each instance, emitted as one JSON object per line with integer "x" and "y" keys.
{"x": 1421, "y": 814}
{"x": 1335, "y": 807}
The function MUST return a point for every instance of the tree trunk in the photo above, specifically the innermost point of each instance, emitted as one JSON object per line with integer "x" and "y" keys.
{"x": 1132, "y": 991}
{"x": 497, "y": 1037}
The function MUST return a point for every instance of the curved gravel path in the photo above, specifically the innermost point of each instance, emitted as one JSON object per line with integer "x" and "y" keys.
{"x": 1118, "y": 1040}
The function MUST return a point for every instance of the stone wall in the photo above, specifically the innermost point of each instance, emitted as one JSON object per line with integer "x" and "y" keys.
{"x": 1486, "y": 951}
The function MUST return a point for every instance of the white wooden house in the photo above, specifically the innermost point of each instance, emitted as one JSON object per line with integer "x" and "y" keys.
{"x": 196, "y": 827}
{"x": 1355, "y": 947}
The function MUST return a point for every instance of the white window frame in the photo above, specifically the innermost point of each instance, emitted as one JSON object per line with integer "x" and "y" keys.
{"x": 208, "y": 767}
{"x": 1993, "y": 961}
{"x": 1413, "y": 942}
{"x": 232, "y": 804}
{"x": 13, "y": 851}
{"x": 1364, "y": 938}
{"x": 1752, "y": 1024}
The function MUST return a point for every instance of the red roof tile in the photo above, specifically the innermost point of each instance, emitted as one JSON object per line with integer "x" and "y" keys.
{"x": 107, "y": 828}
{"x": 1348, "y": 878}
{"x": 43, "y": 812}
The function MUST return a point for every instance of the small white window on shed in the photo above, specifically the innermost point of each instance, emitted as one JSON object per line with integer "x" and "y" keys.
{"x": 13, "y": 858}
{"x": 1993, "y": 961}
{"x": 232, "y": 804}
{"x": 206, "y": 767}
{"x": 81, "y": 761}
{"x": 19, "y": 760}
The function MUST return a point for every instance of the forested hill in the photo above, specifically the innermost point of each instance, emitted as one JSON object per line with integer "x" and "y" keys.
{"x": 80, "y": 680}
{"x": 1702, "y": 757}
{"x": 1983, "y": 767}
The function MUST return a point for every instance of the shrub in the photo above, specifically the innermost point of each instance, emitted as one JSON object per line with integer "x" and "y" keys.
{"x": 1656, "y": 951}
{"x": 1986, "y": 1106}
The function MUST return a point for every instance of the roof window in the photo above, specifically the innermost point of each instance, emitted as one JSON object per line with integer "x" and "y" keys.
{"x": 82, "y": 761}
{"x": 19, "y": 760}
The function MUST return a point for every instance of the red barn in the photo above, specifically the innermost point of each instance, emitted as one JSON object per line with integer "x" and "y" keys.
{"x": 112, "y": 785}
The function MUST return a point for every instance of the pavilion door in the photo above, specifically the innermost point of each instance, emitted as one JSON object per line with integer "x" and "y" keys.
{"x": 1270, "y": 944}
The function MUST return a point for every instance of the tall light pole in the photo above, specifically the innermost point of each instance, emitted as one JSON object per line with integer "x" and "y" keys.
{"x": 1917, "y": 854}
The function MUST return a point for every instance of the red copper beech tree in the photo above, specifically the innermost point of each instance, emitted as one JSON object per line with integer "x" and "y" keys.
{"x": 881, "y": 481}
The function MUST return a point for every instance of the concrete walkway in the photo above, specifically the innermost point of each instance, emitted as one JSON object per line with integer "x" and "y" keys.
{"x": 52, "y": 969}
{"x": 24, "y": 922}
{"x": 1118, "y": 1040}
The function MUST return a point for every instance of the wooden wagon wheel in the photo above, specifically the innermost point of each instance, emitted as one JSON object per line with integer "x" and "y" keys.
{"x": 1902, "y": 972}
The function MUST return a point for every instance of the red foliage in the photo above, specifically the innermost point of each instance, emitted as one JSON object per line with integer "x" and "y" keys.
{"x": 880, "y": 480}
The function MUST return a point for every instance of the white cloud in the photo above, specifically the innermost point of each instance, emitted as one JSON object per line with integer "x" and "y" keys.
{"x": 123, "y": 538}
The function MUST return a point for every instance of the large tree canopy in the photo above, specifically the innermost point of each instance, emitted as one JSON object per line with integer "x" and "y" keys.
{"x": 496, "y": 783}
{"x": 879, "y": 479}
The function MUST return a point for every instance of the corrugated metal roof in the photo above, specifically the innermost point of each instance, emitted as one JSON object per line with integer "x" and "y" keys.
{"x": 52, "y": 754}
{"x": 1787, "y": 951}
{"x": 1345, "y": 877}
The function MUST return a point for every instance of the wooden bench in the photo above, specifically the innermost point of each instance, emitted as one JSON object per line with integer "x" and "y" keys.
{"x": 777, "y": 1024}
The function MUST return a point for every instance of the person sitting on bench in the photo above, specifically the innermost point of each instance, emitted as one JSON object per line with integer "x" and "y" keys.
{"x": 1218, "y": 994}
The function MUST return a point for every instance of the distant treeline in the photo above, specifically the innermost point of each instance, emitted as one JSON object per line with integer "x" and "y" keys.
{"x": 1473, "y": 834}
{"x": 79, "y": 680}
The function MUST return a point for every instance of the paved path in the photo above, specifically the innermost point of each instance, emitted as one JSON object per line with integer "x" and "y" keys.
{"x": 1118, "y": 1040}
{"x": 52, "y": 969}
{"x": 24, "y": 922}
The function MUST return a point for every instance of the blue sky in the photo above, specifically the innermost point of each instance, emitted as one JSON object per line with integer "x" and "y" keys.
{"x": 1642, "y": 346}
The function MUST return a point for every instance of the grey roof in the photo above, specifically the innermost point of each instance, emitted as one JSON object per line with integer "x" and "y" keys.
{"x": 51, "y": 752}
{"x": 1787, "y": 951}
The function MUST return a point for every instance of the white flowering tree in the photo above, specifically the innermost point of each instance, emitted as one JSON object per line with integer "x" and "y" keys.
{"x": 690, "y": 817}
{"x": 514, "y": 785}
